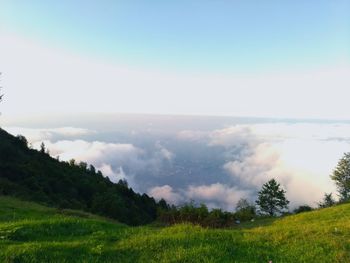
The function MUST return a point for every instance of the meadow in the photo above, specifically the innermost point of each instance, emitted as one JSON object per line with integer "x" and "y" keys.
{"x": 30, "y": 232}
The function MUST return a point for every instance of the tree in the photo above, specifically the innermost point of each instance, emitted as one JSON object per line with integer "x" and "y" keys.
{"x": 72, "y": 162}
{"x": 327, "y": 201}
{"x": 242, "y": 204}
{"x": 42, "y": 148}
{"x": 92, "y": 169}
{"x": 83, "y": 166}
{"x": 341, "y": 177}
{"x": 245, "y": 210}
{"x": 23, "y": 140}
{"x": 271, "y": 198}
{"x": 124, "y": 183}
{"x": 163, "y": 204}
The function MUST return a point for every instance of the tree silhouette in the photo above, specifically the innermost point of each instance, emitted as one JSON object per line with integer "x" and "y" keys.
{"x": 272, "y": 199}
{"x": 42, "y": 147}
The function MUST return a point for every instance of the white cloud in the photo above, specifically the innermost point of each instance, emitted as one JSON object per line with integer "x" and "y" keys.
{"x": 115, "y": 160}
{"x": 167, "y": 193}
{"x": 190, "y": 135}
{"x": 164, "y": 152}
{"x": 93, "y": 152}
{"x": 113, "y": 175}
{"x": 218, "y": 195}
{"x": 110, "y": 158}
{"x": 34, "y": 135}
{"x": 214, "y": 195}
{"x": 258, "y": 167}
{"x": 300, "y": 156}
{"x": 235, "y": 136}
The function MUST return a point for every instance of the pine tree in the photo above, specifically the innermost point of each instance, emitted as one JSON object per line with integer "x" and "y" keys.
{"x": 341, "y": 177}
{"x": 271, "y": 198}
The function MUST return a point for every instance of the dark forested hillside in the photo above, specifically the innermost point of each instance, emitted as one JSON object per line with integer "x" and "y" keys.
{"x": 34, "y": 175}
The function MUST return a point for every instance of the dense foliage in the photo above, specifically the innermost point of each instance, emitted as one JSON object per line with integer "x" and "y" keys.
{"x": 34, "y": 175}
{"x": 272, "y": 199}
{"x": 341, "y": 177}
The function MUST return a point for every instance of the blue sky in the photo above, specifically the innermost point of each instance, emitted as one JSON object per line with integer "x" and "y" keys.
{"x": 197, "y": 35}
{"x": 235, "y": 58}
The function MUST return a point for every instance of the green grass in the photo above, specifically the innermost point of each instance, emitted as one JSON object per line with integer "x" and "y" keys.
{"x": 33, "y": 233}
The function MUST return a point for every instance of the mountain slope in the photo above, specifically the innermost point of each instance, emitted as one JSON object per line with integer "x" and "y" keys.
{"x": 33, "y": 233}
{"x": 34, "y": 175}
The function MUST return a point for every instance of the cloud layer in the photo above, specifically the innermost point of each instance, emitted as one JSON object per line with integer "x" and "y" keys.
{"x": 214, "y": 166}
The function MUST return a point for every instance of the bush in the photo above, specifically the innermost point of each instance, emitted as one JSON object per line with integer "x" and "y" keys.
{"x": 302, "y": 208}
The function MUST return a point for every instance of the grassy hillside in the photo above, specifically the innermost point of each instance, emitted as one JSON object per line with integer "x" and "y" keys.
{"x": 33, "y": 233}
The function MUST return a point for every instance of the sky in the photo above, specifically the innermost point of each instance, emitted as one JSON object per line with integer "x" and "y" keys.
{"x": 233, "y": 58}
{"x": 129, "y": 87}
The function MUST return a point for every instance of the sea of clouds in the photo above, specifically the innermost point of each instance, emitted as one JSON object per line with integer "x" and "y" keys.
{"x": 212, "y": 160}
